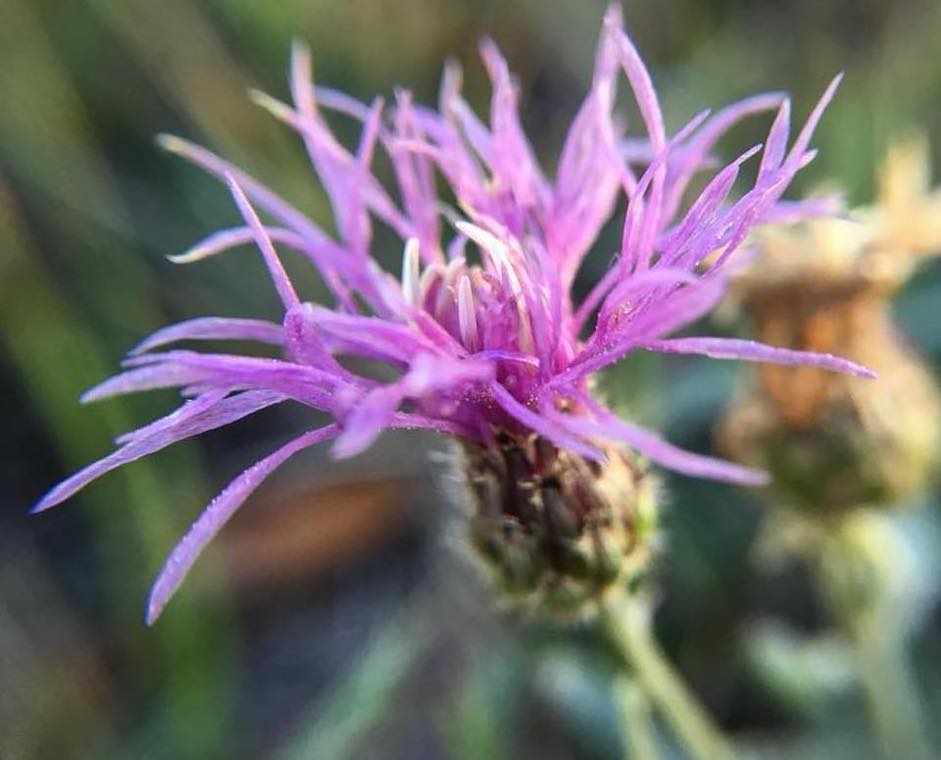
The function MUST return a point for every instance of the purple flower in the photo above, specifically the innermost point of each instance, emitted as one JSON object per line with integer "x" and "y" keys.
{"x": 479, "y": 349}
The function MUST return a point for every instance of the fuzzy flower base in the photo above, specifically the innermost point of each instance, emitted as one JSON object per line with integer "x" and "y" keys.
{"x": 556, "y": 533}
{"x": 481, "y": 332}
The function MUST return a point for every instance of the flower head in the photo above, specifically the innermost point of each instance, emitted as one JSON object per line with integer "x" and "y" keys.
{"x": 832, "y": 442}
{"x": 481, "y": 329}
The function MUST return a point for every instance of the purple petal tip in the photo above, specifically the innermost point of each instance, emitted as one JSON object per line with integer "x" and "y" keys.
{"x": 755, "y": 478}
{"x": 847, "y": 367}
{"x": 171, "y": 143}
{"x": 92, "y": 394}
{"x": 352, "y": 443}
{"x": 155, "y": 607}
{"x": 46, "y": 502}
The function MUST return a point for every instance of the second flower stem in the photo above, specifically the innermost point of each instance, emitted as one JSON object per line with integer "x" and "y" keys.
{"x": 856, "y": 579}
{"x": 635, "y": 709}
{"x": 891, "y": 697}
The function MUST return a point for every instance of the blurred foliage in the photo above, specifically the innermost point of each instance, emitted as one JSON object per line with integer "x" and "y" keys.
{"x": 88, "y": 208}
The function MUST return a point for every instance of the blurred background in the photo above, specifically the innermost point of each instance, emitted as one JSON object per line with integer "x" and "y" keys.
{"x": 335, "y": 616}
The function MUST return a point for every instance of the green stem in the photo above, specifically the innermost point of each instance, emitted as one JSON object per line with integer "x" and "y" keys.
{"x": 629, "y": 627}
{"x": 635, "y": 709}
{"x": 856, "y": 578}
{"x": 891, "y": 697}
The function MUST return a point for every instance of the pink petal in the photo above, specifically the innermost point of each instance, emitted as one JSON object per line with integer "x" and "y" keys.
{"x": 215, "y": 516}
{"x": 194, "y": 417}
{"x": 749, "y": 350}
{"x": 280, "y": 278}
{"x": 269, "y": 201}
{"x": 806, "y": 133}
{"x": 213, "y": 328}
{"x": 544, "y": 426}
{"x": 660, "y": 451}
{"x": 328, "y": 257}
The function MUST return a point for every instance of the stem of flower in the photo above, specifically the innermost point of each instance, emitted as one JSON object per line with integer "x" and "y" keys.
{"x": 856, "y": 560}
{"x": 635, "y": 709}
{"x": 629, "y": 627}
{"x": 891, "y": 698}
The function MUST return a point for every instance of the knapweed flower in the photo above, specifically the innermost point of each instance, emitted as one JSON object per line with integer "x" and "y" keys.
{"x": 832, "y": 442}
{"x": 481, "y": 331}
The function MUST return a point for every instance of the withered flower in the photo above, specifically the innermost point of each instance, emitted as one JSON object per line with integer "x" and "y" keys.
{"x": 831, "y": 441}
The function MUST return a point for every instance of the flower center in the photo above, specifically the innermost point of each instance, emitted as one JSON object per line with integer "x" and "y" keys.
{"x": 484, "y": 307}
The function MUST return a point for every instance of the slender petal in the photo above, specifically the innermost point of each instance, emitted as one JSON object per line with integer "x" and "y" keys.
{"x": 199, "y": 372}
{"x": 325, "y": 255}
{"x": 217, "y": 514}
{"x": 280, "y": 278}
{"x": 194, "y": 417}
{"x": 141, "y": 379}
{"x": 213, "y": 328}
{"x": 428, "y": 374}
{"x": 269, "y": 201}
{"x": 544, "y": 426}
{"x": 749, "y": 350}
{"x": 651, "y": 445}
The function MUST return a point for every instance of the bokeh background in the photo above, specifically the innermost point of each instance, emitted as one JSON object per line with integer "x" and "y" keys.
{"x": 335, "y": 617}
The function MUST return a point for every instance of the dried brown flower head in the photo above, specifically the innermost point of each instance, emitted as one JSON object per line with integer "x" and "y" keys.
{"x": 836, "y": 442}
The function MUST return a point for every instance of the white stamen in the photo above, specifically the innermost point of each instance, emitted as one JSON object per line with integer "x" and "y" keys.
{"x": 486, "y": 240}
{"x": 499, "y": 254}
{"x": 466, "y": 316}
{"x": 497, "y": 251}
{"x": 410, "y": 272}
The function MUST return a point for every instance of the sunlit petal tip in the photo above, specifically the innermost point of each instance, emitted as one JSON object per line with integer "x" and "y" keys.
{"x": 96, "y": 393}
{"x": 275, "y": 107}
{"x": 753, "y": 478}
{"x": 190, "y": 256}
{"x": 172, "y": 143}
{"x": 353, "y": 442}
{"x": 48, "y": 501}
{"x": 411, "y": 273}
